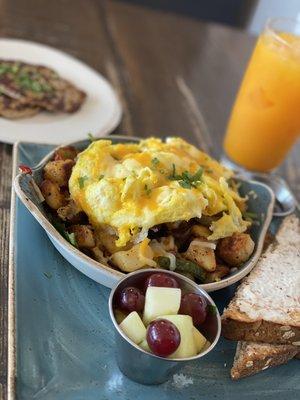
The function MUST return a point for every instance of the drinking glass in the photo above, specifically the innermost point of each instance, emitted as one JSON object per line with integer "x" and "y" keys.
{"x": 265, "y": 120}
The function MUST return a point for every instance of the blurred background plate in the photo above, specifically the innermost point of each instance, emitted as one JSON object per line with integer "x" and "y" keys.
{"x": 61, "y": 345}
{"x": 99, "y": 114}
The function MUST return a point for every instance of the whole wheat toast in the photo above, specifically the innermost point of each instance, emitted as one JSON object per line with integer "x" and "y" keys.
{"x": 266, "y": 306}
{"x": 252, "y": 357}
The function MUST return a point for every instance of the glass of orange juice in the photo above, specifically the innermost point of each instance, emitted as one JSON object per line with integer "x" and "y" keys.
{"x": 265, "y": 120}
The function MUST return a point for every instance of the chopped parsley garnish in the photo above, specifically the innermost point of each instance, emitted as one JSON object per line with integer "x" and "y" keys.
{"x": 33, "y": 83}
{"x": 101, "y": 177}
{"x": 70, "y": 237}
{"x": 155, "y": 161}
{"x": 250, "y": 215}
{"x": 186, "y": 179}
{"x": 81, "y": 181}
{"x": 91, "y": 137}
{"x": 147, "y": 190}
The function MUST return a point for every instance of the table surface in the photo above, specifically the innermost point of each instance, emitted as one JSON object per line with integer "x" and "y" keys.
{"x": 174, "y": 75}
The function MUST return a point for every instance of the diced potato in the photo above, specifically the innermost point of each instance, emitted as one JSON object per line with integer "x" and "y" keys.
{"x": 58, "y": 171}
{"x": 133, "y": 327}
{"x": 199, "y": 340}
{"x": 144, "y": 345}
{"x": 236, "y": 249}
{"x": 119, "y": 315}
{"x": 84, "y": 236}
{"x": 200, "y": 231}
{"x": 168, "y": 243}
{"x": 203, "y": 256}
{"x": 161, "y": 301}
{"x": 65, "y": 153}
{"x": 218, "y": 274}
{"x": 98, "y": 255}
{"x": 107, "y": 241}
{"x": 52, "y": 194}
{"x": 139, "y": 256}
{"x": 70, "y": 212}
{"x": 184, "y": 324}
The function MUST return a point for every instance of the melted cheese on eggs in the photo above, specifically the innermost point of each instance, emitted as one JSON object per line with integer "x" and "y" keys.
{"x": 129, "y": 187}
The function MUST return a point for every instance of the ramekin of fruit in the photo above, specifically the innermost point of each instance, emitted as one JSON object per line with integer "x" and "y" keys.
{"x": 162, "y": 321}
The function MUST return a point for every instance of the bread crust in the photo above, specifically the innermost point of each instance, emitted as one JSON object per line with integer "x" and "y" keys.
{"x": 252, "y": 358}
{"x": 260, "y": 331}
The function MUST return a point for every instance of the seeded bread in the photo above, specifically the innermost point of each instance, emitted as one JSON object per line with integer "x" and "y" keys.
{"x": 252, "y": 357}
{"x": 266, "y": 307}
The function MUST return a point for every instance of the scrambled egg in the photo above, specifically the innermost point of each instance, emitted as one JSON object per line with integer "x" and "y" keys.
{"x": 131, "y": 187}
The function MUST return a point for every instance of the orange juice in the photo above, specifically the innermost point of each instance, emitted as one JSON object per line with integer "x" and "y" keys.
{"x": 265, "y": 120}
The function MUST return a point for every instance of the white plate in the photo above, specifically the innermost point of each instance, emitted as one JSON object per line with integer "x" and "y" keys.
{"x": 100, "y": 113}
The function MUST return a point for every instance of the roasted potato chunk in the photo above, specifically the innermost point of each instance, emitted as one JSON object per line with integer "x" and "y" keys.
{"x": 52, "y": 194}
{"x": 203, "y": 256}
{"x": 200, "y": 231}
{"x": 65, "y": 153}
{"x": 236, "y": 249}
{"x": 106, "y": 242}
{"x": 70, "y": 213}
{"x": 98, "y": 255}
{"x": 168, "y": 243}
{"x": 218, "y": 274}
{"x": 84, "y": 236}
{"x": 58, "y": 171}
{"x": 139, "y": 256}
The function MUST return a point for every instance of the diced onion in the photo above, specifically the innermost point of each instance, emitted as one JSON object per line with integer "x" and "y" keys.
{"x": 140, "y": 236}
{"x": 172, "y": 259}
{"x": 202, "y": 243}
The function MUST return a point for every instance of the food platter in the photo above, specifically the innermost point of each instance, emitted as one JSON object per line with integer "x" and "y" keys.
{"x": 62, "y": 346}
{"x": 261, "y": 204}
{"x": 100, "y": 113}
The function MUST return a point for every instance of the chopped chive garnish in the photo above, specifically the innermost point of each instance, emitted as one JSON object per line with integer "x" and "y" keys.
{"x": 186, "y": 179}
{"x": 155, "y": 161}
{"x": 81, "y": 181}
{"x": 147, "y": 190}
{"x": 91, "y": 137}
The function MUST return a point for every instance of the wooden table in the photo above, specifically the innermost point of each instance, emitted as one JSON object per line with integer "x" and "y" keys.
{"x": 174, "y": 75}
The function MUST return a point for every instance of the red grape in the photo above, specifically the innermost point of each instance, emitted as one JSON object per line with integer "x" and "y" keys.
{"x": 161, "y": 280}
{"x": 194, "y": 305}
{"x": 132, "y": 299}
{"x": 163, "y": 337}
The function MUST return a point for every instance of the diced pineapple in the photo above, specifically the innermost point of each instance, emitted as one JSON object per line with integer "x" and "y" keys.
{"x": 144, "y": 345}
{"x": 199, "y": 340}
{"x": 161, "y": 301}
{"x": 133, "y": 327}
{"x": 119, "y": 315}
{"x": 184, "y": 324}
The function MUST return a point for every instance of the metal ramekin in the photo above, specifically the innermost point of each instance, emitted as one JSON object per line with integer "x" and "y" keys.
{"x": 147, "y": 368}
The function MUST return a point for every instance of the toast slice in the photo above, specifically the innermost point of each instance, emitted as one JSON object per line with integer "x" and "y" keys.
{"x": 266, "y": 306}
{"x": 252, "y": 357}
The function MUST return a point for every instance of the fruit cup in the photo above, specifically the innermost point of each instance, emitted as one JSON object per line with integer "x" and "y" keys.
{"x": 142, "y": 366}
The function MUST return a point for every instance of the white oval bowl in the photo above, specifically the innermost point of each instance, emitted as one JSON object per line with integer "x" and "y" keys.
{"x": 262, "y": 205}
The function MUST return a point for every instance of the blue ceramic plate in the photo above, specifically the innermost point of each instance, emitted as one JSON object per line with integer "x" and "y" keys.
{"x": 261, "y": 202}
{"x": 61, "y": 344}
